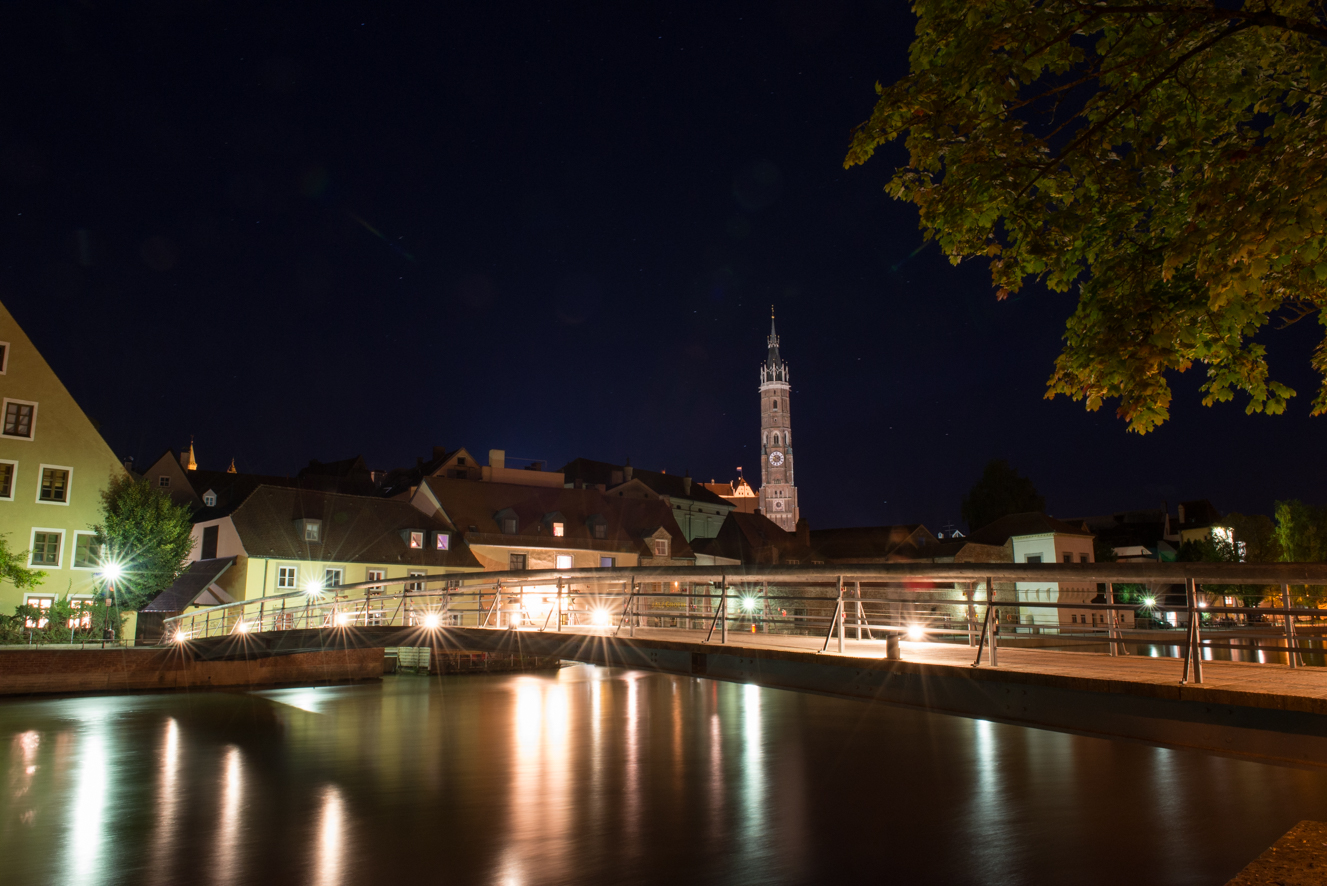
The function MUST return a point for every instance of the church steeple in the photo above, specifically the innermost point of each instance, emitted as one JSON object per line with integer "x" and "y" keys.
{"x": 778, "y": 489}
{"x": 773, "y": 369}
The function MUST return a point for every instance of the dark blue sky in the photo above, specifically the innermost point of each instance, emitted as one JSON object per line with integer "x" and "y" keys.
{"x": 316, "y": 231}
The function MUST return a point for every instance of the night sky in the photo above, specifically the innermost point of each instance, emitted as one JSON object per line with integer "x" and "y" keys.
{"x": 316, "y": 231}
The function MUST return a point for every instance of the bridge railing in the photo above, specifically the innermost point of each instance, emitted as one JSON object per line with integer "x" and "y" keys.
{"x": 957, "y": 603}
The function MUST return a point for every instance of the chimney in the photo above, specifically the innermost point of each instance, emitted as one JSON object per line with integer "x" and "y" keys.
{"x": 184, "y": 463}
{"x": 497, "y": 458}
{"x": 1181, "y": 507}
{"x": 686, "y": 484}
{"x": 439, "y": 451}
{"x": 627, "y": 470}
{"x": 804, "y": 533}
{"x": 128, "y": 462}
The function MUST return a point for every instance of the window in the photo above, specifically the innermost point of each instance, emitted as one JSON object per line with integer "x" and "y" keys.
{"x": 461, "y": 461}
{"x": 775, "y": 404}
{"x": 564, "y": 561}
{"x": 46, "y": 547}
{"x": 20, "y": 416}
{"x": 1082, "y": 558}
{"x": 313, "y": 530}
{"x": 1068, "y": 557}
{"x": 516, "y": 562}
{"x": 287, "y": 578}
{"x": 661, "y": 547}
{"x": 4, "y": 357}
{"x": 601, "y": 530}
{"x": 442, "y": 541}
{"x": 1032, "y": 558}
{"x": 87, "y": 553}
{"x": 415, "y": 585}
{"x": 42, "y": 604}
{"x": 332, "y": 578}
{"x": 375, "y": 575}
{"x": 416, "y": 540}
{"x": 7, "y": 469}
{"x": 509, "y": 525}
{"x": 607, "y": 562}
{"x": 82, "y": 617}
{"x": 559, "y": 530}
{"x": 210, "y": 499}
{"x": 163, "y": 481}
{"x": 210, "y": 536}
{"x": 54, "y": 488}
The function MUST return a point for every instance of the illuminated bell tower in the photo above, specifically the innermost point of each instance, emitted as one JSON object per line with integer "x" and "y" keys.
{"x": 778, "y": 494}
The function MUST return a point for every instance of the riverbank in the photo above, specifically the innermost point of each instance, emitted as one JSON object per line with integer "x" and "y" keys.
{"x": 26, "y": 671}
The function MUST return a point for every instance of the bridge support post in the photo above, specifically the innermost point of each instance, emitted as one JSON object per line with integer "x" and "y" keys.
{"x": 840, "y": 616}
{"x": 995, "y": 622}
{"x": 1291, "y": 643}
{"x": 1113, "y": 633}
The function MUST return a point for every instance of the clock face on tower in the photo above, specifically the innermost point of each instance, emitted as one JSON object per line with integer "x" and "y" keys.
{"x": 776, "y": 458}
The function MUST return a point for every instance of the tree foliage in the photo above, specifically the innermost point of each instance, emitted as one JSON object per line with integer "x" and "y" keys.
{"x": 147, "y": 534}
{"x": 1166, "y": 159}
{"x": 14, "y": 569}
{"x": 1000, "y": 491}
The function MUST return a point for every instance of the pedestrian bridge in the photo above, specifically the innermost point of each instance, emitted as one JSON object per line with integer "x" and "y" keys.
{"x": 946, "y": 638}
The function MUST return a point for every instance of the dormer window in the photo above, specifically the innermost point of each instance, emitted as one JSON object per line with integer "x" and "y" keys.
{"x": 442, "y": 541}
{"x": 209, "y": 498}
{"x": 509, "y": 525}
{"x": 559, "y": 530}
{"x": 661, "y": 547}
{"x": 600, "y": 530}
{"x": 416, "y": 540}
{"x": 313, "y": 530}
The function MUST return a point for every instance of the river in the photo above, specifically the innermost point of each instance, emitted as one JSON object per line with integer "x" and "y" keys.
{"x": 595, "y": 776}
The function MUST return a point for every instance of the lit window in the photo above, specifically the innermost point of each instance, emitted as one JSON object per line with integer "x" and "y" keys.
{"x": 607, "y": 562}
{"x": 46, "y": 548}
{"x": 313, "y": 530}
{"x": 442, "y": 541}
{"x": 7, "y": 480}
{"x": 163, "y": 481}
{"x": 210, "y": 498}
{"x": 54, "y": 485}
{"x": 558, "y": 530}
{"x": 287, "y": 578}
{"x": 331, "y": 578}
{"x": 564, "y": 561}
{"x": 18, "y": 419}
{"x": 416, "y": 540}
{"x": 82, "y": 618}
{"x": 41, "y": 604}
{"x": 87, "y": 553}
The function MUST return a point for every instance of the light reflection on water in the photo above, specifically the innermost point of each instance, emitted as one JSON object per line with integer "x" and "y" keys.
{"x": 600, "y": 776}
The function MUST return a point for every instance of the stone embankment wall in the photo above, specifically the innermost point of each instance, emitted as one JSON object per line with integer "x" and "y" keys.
{"x": 49, "y": 671}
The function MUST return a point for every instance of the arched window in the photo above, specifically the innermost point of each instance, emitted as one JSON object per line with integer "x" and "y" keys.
{"x": 776, "y": 439}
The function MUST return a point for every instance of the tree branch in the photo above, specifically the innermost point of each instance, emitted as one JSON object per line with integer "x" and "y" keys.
{"x": 1262, "y": 19}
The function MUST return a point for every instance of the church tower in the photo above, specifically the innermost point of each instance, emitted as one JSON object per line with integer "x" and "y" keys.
{"x": 778, "y": 494}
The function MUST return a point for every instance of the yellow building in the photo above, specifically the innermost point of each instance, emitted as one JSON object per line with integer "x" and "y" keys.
{"x": 280, "y": 540}
{"x": 54, "y": 466}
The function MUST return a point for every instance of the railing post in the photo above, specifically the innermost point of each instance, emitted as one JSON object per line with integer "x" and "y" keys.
{"x": 723, "y": 612}
{"x": 1291, "y": 643}
{"x": 1197, "y": 635}
{"x": 1111, "y": 634}
{"x": 631, "y": 601}
{"x": 857, "y": 592}
{"x": 764, "y": 620}
{"x": 840, "y": 615}
{"x": 972, "y": 614}
{"x": 559, "y": 603}
{"x": 995, "y": 623}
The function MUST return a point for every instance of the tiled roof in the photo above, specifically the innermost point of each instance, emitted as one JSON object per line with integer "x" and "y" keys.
{"x": 231, "y": 489}
{"x": 869, "y": 543}
{"x": 1030, "y": 523}
{"x": 751, "y": 537}
{"x": 355, "y": 529}
{"x": 189, "y": 585}
{"x": 474, "y": 506}
{"x": 591, "y": 472}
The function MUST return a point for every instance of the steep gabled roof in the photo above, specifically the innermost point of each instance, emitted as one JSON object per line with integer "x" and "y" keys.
{"x": 190, "y": 585}
{"x": 474, "y": 508}
{"x": 591, "y": 473}
{"x": 355, "y": 529}
{"x": 231, "y": 489}
{"x": 1030, "y": 523}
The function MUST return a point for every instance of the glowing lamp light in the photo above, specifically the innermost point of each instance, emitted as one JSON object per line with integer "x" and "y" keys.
{"x": 1149, "y": 601}
{"x": 432, "y": 620}
{"x": 313, "y": 587}
{"x": 916, "y": 633}
{"x": 179, "y": 637}
{"x": 342, "y": 619}
{"x": 600, "y": 618}
{"x": 241, "y": 627}
{"x": 111, "y": 571}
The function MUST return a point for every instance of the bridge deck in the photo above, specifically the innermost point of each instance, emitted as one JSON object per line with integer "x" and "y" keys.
{"x": 1304, "y": 688}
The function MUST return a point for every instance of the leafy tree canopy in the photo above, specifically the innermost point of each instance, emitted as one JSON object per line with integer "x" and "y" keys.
{"x": 14, "y": 569}
{"x": 1000, "y": 491}
{"x": 1301, "y": 532}
{"x": 1165, "y": 158}
{"x": 147, "y": 534}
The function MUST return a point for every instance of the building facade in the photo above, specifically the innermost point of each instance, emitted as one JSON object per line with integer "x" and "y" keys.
{"x": 699, "y": 512}
{"x": 778, "y": 488}
{"x": 54, "y": 466}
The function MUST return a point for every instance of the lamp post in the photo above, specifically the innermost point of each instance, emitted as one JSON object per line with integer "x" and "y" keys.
{"x": 110, "y": 573}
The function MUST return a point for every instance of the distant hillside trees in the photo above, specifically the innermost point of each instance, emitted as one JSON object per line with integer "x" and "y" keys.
{"x": 1000, "y": 491}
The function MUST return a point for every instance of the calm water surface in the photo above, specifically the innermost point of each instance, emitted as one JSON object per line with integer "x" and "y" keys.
{"x": 593, "y": 775}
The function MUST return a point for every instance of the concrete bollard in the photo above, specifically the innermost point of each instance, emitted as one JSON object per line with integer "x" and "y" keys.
{"x": 893, "y": 648}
